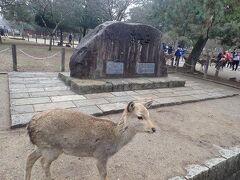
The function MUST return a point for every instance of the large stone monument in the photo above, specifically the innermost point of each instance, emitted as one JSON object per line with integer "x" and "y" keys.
{"x": 117, "y": 49}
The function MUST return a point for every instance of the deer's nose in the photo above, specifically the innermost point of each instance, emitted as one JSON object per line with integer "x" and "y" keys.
{"x": 153, "y": 129}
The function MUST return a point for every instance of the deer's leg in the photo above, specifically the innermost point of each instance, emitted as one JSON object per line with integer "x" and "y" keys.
{"x": 48, "y": 156}
{"x": 102, "y": 168}
{"x": 32, "y": 158}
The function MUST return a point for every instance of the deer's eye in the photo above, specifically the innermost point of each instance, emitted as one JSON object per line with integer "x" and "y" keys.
{"x": 140, "y": 117}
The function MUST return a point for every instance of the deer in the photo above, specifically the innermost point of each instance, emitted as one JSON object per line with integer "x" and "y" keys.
{"x": 72, "y": 132}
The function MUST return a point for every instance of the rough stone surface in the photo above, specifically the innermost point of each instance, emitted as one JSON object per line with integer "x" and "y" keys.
{"x": 194, "y": 170}
{"x": 20, "y": 119}
{"x": 121, "y": 49}
{"x": 22, "y": 109}
{"x": 213, "y": 162}
{"x": 228, "y": 153}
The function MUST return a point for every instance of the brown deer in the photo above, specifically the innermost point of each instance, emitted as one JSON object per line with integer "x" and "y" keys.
{"x": 74, "y": 133}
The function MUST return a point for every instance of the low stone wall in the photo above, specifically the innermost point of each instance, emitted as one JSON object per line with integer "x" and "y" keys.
{"x": 226, "y": 167}
{"x": 87, "y": 86}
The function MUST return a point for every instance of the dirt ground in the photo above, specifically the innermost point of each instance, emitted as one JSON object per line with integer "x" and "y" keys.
{"x": 4, "y": 107}
{"x": 26, "y": 63}
{"x": 185, "y": 135}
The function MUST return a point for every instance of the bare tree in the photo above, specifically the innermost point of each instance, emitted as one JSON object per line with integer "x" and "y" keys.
{"x": 116, "y": 10}
{"x": 52, "y": 13}
{"x": 6, "y": 4}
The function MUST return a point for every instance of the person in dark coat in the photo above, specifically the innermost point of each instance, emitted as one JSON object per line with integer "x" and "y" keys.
{"x": 70, "y": 38}
{"x": 170, "y": 50}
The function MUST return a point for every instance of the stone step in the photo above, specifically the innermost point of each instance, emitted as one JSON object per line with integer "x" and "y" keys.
{"x": 86, "y": 86}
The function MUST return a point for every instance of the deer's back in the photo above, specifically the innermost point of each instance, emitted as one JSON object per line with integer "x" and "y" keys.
{"x": 69, "y": 130}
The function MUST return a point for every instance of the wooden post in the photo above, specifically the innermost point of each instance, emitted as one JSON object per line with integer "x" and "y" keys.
{"x": 14, "y": 57}
{"x": 63, "y": 60}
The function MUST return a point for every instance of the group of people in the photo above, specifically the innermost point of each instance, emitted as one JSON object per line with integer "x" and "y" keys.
{"x": 167, "y": 48}
{"x": 179, "y": 53}
{"x": 229, "y": 59}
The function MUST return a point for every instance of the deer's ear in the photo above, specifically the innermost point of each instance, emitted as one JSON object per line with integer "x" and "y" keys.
{"x": 130, "y": 106}
{"x": 148, "y": 104}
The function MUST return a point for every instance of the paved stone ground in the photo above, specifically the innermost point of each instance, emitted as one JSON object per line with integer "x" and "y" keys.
{"x": 35, "y": 92}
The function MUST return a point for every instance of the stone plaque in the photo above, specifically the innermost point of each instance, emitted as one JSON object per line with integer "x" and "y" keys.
{"x": 114, "y": 67}
{"x": 145, "y": 68}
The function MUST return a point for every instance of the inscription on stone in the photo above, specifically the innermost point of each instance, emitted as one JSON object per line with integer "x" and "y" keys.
{"x": 114, "y": 67}
{"x": 145, "y": 68}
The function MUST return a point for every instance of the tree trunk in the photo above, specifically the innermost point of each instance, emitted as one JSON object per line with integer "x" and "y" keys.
{"x": 195, "y": 54}
{"x": 50, "y": 44}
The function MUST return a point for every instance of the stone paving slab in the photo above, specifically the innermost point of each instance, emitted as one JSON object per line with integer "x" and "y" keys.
{"x": 67, "y": 98}
{"x": 99, "y": 95}
{"x": 112, "y": 108}
{"x": 19, "y": 95}
{"x": 22, "y": 109}
{"x": 27, "y": 90}
{"x": 48, "y": 106}
{"x": 51, "y": 93}
{"x": 89, "y": 102}
{"x": 25, "y": 101}
{"x": 35, "y": 92}
{"x": 94, "y": 110}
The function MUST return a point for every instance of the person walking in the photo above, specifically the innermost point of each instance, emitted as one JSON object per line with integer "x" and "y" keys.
{"x": 228, "y": 58}
{"x": 70, "y": 38}
{"x": 236, "y": 59}
{"x": 178, "y": 55}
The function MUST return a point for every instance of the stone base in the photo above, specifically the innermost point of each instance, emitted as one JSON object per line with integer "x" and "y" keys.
{"x": 88, "y": 86}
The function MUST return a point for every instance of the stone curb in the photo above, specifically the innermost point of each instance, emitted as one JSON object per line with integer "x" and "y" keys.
{"x": 109, "y": 86}
{"x": 155, "y": 105}
{"x": 221, "y": 168}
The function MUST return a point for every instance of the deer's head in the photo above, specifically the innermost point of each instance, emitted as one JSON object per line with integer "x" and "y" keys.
{"x": 137, "y": 116}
